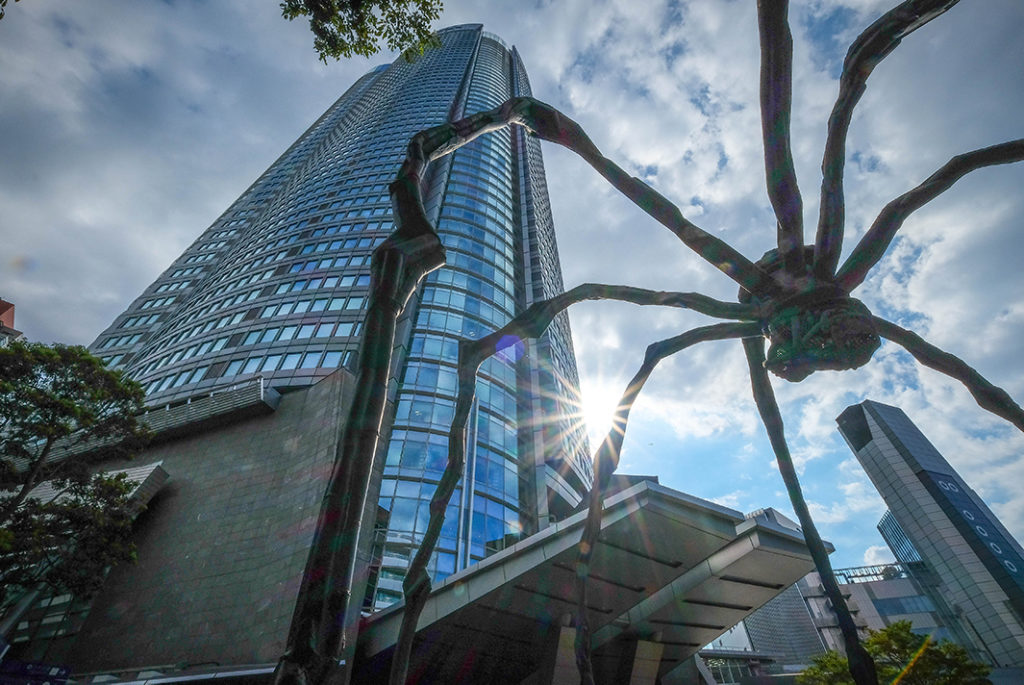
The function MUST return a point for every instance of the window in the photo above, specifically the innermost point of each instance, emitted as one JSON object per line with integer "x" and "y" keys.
{"x": 311, "y": 360}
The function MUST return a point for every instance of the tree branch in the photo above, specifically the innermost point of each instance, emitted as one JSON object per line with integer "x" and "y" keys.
{"x": 31, "y": 481}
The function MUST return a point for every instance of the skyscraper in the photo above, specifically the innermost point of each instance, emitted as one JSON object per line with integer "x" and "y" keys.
{"x": 938, "y": 520}
{"x": 278, "y": 284}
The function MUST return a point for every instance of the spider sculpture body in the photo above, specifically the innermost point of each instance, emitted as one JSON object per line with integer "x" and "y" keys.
{"x": 796, "y": 297}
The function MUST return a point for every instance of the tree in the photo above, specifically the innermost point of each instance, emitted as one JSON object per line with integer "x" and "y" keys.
{"x": 900, "y": 653}
{"x": 61, "y": 412}
{"x": 344, "y": 28}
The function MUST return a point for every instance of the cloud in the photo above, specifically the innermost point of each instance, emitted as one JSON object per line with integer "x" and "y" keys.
{"x": 878, "y": 555}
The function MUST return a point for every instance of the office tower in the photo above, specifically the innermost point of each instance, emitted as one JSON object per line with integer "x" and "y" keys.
{"x": 977, "y": 564}
{"x": 277, "y": 287}
{"x": 956, "y": 628}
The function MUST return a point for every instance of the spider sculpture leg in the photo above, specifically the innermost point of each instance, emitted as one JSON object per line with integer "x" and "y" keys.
{"x": 861, "y": 665}
{"x": 776, "y": 100}
{"x": 319, "y": 631}
{"x": 876, "y": 241}
{"x": 472, "y": 353}
{"x": 870, "y": 48}
{"x": 549, "y": 124}
{"x": 607, "y": 460}
{"x": 989, "y": 397}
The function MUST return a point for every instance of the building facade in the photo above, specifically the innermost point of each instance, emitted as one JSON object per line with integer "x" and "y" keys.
{"x": 937, "y": 521}
{"x": 877, "y": 596}
{"x": 8, "y": 333}
{"x": 278, "y": 285}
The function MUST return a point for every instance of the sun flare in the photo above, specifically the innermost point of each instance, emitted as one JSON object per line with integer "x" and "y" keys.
{"x": 598, "y": 400}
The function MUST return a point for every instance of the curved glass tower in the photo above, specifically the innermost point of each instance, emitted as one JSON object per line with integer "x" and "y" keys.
{"x": 277, "y": 287}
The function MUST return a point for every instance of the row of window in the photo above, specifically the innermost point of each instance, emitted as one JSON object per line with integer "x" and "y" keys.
{"x": 468, "y": 304}
{"x": 326, "y": 329}
{"x": 310, "y": 360}
{"x": 200, "y": 258}
{"x": 186, "y": 272}
{"x": 268, "y": 335}
{"x": 139, "y": 321}
{"x": 328, "y": 282}
{"x": 158, "y": 302}
{"x": 121, "y": 340}
{"x": 348, "y": 244}
{"x": 329, "y": 262}
{"x": 358, "y": 227}
{"x": 172, "y": 286}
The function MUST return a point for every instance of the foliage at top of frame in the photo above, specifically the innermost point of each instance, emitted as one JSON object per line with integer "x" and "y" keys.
{"x": 343, "y": 28}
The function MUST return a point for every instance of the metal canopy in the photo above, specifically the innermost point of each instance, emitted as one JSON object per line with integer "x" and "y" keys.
{"x": 669, "y": 568}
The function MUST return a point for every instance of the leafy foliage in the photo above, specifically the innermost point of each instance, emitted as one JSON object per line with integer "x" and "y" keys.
{"x": 902, "y": 654}
{"x": 61, "y": 411}
{"x": 67, "y": 543}
{"x": 343, "y": 28}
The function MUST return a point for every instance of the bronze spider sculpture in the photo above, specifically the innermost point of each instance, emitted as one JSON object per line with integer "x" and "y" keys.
{"x": 796, "y": 296}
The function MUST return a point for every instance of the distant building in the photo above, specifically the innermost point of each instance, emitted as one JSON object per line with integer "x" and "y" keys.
{"x": 930, "y": 584}
{"x": 784, "y": 630}
{"x": 778, "y": 638}
{"x": 939, "y": 526}
{"x": 877, "y": 596}
{"x": 8, "y": 334}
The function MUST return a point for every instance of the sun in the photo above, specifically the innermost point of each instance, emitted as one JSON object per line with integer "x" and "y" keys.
{"x": 598, "y": 399}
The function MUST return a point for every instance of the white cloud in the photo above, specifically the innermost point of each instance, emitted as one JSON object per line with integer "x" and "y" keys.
{"x": 878, "y": 555}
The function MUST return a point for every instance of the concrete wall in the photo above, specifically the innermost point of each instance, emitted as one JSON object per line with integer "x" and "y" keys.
{"x": 222, "y": 546}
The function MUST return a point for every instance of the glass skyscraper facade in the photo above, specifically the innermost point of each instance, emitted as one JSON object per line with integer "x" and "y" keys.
{"x": 937, "y": 524}
{"x": 277, "y": 287}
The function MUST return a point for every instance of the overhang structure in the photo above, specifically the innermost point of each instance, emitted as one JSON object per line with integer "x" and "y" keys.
{"x": 671, "y": 572}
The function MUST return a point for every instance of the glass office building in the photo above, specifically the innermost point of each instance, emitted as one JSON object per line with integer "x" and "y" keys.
{"x": 937, "y": 523}
{"x": 277, "y": 287}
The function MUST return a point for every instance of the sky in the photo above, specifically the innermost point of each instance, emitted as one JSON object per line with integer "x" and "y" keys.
{"x": 127, "y": 127}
